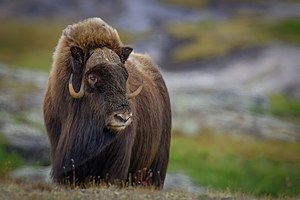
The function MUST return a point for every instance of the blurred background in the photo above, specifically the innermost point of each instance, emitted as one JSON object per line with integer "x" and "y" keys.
{"x": 233, "y": 72}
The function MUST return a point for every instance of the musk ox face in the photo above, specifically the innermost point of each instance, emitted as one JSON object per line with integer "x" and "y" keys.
{"x": 103, "y": 81}
{"x": 107, "y": 82}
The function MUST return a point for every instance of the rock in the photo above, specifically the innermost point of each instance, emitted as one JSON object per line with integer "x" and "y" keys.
{"x": 223, "y": 98}
{"x": 32, "y": 174}
{"x": 180, "y": 181}
{"x": 27, "y": 141}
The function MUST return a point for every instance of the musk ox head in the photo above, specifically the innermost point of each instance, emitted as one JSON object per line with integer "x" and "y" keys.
{"x": 101, "y": 77}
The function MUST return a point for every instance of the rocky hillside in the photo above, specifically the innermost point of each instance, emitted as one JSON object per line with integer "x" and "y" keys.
{"x": 225, "y": 99}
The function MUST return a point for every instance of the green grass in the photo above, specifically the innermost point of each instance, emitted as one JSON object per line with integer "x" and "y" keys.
{"x": 211, "y": 39}
{"x": 288, "y": 30}
{"x": 281, "y": 105}
{"x": 239, "y": 163}
{"x": 8, "y": 160}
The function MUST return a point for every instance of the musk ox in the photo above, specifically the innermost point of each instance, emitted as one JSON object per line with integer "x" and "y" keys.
{"x": 106, "y": 109}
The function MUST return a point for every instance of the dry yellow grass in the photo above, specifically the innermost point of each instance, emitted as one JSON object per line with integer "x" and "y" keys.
{"x": 12, "y": 190}
{"x": 40, "y": 191}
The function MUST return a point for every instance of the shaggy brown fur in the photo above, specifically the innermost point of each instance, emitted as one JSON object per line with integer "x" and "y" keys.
{"x": 82, "y": 146}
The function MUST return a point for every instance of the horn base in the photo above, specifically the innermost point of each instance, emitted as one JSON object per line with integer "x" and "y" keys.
{"x": 136, "y": 92}
{"x": 76, "y": 95}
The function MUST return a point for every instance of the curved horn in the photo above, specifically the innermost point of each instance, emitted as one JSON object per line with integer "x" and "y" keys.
{"x": 136, "y": 92}
{"x": 76, "y": 95}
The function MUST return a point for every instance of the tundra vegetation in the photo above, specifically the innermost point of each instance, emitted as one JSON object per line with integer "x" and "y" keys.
{"x": 235, "y": 166}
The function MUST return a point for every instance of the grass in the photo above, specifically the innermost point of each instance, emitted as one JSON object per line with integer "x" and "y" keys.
{"x": 211, "y": 39}
{"x": 8, "y": 160}
{"x": 16, "y": 189}
{"x": 288, "y": 30}
{"x": 240, "y": 163}
{"x": 282, "y": 106}
{"x": 31, "y": 191}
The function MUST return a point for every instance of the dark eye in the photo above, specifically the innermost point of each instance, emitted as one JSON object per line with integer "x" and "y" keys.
{"x": 92, "y": 78}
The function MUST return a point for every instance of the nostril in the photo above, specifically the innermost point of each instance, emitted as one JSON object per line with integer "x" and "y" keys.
{"x": 124, "y": 117}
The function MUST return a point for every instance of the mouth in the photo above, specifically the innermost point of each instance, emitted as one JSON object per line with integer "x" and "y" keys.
{"x": 119, "y": 125}
{"x": 119, "y": 120}
{"x": 117, "y": 128}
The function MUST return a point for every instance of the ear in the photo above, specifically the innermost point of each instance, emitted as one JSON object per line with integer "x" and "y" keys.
{"x": 77, "y": 59}
{"x": 124, "y": 53}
